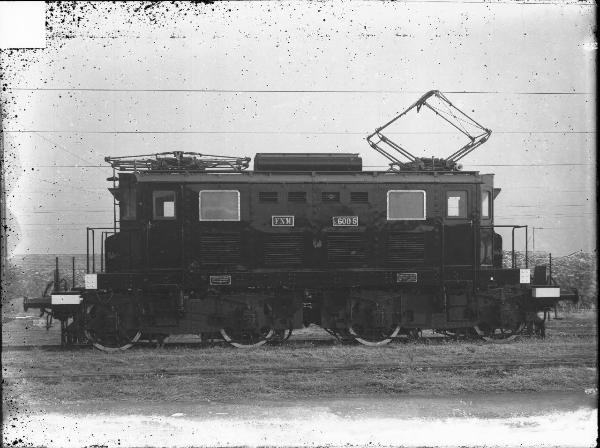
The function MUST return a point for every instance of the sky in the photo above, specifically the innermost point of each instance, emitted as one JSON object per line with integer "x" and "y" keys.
{"x": 237, "y": 78}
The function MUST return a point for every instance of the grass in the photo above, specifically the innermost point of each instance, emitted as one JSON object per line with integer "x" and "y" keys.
{"x": 293, "y": 356}
{"x": 241, "y": 375}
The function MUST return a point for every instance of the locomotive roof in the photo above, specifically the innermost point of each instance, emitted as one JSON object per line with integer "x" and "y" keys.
{"x": 186, "y": 167}
{"x": 312, "y": 177}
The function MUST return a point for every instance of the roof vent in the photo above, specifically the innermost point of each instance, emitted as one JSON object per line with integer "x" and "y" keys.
{"x": 307, "y": 162}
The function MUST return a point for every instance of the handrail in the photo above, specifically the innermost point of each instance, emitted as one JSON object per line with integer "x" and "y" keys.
{"x": 514, "y": 227}
{"x": 105, "y": 232}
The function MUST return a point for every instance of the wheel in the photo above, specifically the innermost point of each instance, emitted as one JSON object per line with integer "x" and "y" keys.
{"x": 373, "y": 337}
{"x": 498, "y": 335}
{"x": 246, "y": 338}
{"x": 110, "y": 328}
{"x": 370, "y": 321}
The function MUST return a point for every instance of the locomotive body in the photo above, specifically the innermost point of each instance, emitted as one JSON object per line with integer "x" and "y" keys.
{"x": 204, "y": 246}
{"x": 249, "y": 255}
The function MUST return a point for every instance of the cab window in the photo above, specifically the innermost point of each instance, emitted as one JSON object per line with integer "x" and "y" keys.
{"x": 406, "y": 205}
{"x": 486, "y": 205}
{"x": 219, "y": 205}
{"x": 164, "y": 204}
{"x": 456, "y": 204}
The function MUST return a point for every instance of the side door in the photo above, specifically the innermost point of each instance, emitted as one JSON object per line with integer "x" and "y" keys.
{"x": 163, "y": 228}
{"x": 459, "y": 226}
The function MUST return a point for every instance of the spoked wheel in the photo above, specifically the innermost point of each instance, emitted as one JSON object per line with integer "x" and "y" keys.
{"x": 109, "y": 329}
{"x": 498, "y": 335}
{"x": 373, "y": 337}
{"x": 247, "y": 338}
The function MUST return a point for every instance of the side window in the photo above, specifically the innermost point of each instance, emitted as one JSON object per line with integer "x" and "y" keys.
{"x": 485, "y": 205}
{"x": 406, "y": 205}
{"x": 219, "y": 205}
{"x": 163, "y": 204}
{"x": 456, "y": 204}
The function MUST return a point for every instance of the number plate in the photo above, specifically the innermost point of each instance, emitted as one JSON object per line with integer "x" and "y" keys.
{"x": 406, "y": 277}
{"x": 545, "y": 292}
{"x": 282, "y": 221}
{"x": 345, "y": 221}
{"x": 65, "y": 299}
{"x": 220, "y": 280}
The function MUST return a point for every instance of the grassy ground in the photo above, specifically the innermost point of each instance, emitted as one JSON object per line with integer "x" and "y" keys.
{"x": 49, "y": 378}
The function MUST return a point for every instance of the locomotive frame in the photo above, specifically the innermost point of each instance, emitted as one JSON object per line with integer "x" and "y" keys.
{"x": 202, "y": 245}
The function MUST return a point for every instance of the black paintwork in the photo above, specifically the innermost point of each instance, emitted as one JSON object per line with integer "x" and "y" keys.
{"x": 180, "y": 274}
{"x": 375, "y": 242}
{"x": 314, "y": 256}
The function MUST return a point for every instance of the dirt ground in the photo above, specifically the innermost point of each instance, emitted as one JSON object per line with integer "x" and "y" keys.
{"x": 565, "y": 360}
{"x": 300, "y": 385}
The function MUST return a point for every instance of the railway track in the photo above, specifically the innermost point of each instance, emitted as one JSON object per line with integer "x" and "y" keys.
{"x": 435, "y": 339}
{"x": 505, "y": 365}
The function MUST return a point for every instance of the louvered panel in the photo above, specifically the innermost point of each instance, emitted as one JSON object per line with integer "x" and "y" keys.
{"x": 297, "y": 196}
{"x": 284, "y": 250}
{"x": 268, "y": 196}
{"x": 220, "y": 248}
{"x": 405, "y": 248}
{"x": 361, "y": 197}
{"x": 346, "y": 248}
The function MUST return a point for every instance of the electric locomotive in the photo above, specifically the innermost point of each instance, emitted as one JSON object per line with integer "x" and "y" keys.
{"x": 203, "y": 245}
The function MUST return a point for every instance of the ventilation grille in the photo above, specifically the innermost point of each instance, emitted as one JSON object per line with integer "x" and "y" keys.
{"x": 267, "y": 196}
{"x": 330, "y": 196}
{"x": 346, "y": 248}
{"x": 285, "y": 250}
{"x": 220, "y": 249}
{"x": 359, "y": 196}
{"x": 297, "y": 196}
{"x": 405, "y": 248}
